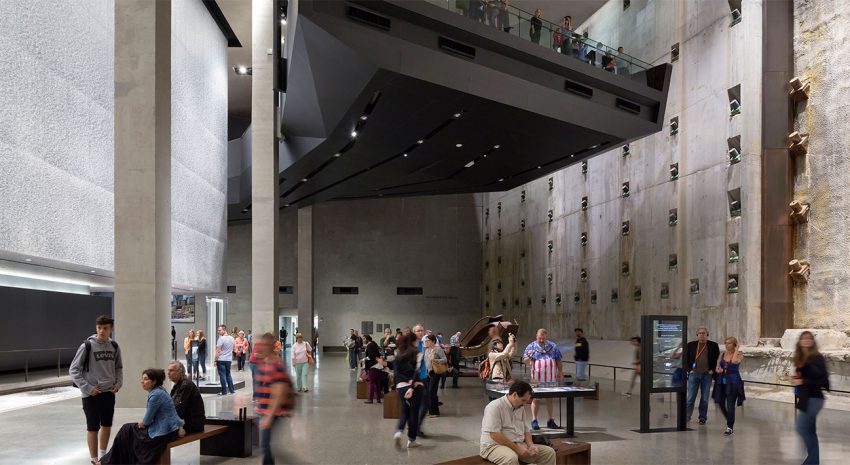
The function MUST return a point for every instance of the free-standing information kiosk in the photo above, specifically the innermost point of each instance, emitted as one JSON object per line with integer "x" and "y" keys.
{"x": 664, "y": 340}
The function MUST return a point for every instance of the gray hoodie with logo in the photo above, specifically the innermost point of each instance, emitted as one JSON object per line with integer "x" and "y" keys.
{"x": 105, "y": 368}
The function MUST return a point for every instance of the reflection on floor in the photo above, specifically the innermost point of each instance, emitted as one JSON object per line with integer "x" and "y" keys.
{"x": 332, "y": 427}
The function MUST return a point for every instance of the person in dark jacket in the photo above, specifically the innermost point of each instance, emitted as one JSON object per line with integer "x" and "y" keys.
{"x": 702, "y": 356}
{"x": 729, "y": 387}
{"x": 536, "y": 26}
{"x": 372, "y": 352}
{"x": 410, "y": 389}
{"x": 187, "y": 399}
{"x": 811, "y": 379}
{"x": 582, "y": 355}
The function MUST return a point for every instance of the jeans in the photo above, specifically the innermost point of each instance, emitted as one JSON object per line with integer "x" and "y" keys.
{"x": 194, "y": 366}
{"x": 352, "y": 358}
{"x": 410, "y": 411}
{"x": 266, "y": 442}
{"x": 455, "y": 355}
{"x": 433, "y": 389}
{"x": 240, "y": 362}
{"x": 701, "y": 382}
{"x": 225, "y": 378}
{"x": 807, "y": 427}
{"x": 301, "y": 375}
{"x": 189, "y": 365}
{"x": 727, "y": 404}
{"x": 635, "y": 375}
{"x": 581, "y": 370}
{"x": 202, "y": 362}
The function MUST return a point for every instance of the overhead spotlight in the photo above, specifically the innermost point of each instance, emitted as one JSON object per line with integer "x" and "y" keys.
{"x": 458, "y": 145}
{"x": 91, "y": 271}
{"x": 353, "y": 134}
{"x": 496, "y": 147}
{"x": 538, "y": 167}
{"x": 244, "y": 210}
{"x": 799, "y": 271}
{"x": 28, "y": 259}
{"x": 456, "y": 115}
{"x": 337, "y": 155}
{"x": 243, "y": 70}
{"x": 469, "y": 165}
{"x": 286, "y": 205}
{"x": 404, "y": 155}
{"x": 501, "y": 179}
{"x": 364, "y": 117}
{"x": 420, "y": 141}
{"x": 800, "y": 89}
{"x": 304, "y": 179}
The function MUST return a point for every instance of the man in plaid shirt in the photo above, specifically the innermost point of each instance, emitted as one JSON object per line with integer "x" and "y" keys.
{"x": 273, "y": 396}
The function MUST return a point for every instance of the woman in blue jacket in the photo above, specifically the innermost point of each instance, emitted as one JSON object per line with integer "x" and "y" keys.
{"x": 143, "y": 442}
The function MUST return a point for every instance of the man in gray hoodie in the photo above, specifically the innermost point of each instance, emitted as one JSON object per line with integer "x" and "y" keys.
{"x": 98, "y": 372}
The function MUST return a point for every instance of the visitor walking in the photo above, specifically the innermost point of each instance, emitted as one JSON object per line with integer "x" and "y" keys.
{"x": 582, "y": 355}
{"x": 99, "y": 373}
{"x": 634, "y": 341}
{"x": 811, "y": 378}
{"x": 272, "y": 393}
{"x": 419, "y": 333}
{"x": 302, "y": 356}
{"x": 410, "y": 389}
{"x": 729, "y": 387}
{"x": 500, "y": 359}
{"x": 454, "y": 358}
{"x": 223, "y": 358}
{"x": 173, "y": 343}
{"x": 241, "y": 346}
{"x": 435, "y": 364}
{"x": 202, "y": 354}
{"x": 702, "y": 356}
{"x": 544, "y": 357}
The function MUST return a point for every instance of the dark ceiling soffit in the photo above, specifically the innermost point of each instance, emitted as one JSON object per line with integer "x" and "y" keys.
{"x": 218, "y": 16}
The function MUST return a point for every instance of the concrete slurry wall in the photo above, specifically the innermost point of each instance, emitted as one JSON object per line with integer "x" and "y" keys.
{"x": 821, "y": 179}
{"x": 713, "y": 58}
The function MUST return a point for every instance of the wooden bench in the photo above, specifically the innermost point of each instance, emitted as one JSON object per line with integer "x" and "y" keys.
{"x": 566, "y": 453}
{"x": 209, "y": 431}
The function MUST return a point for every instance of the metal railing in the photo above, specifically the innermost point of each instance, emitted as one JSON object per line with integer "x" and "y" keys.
{"x": 27, "y": 352}
{"x": 521, "y": 23}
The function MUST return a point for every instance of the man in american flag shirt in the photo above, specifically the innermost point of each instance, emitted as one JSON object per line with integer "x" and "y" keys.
{"x": 545, "y": 360}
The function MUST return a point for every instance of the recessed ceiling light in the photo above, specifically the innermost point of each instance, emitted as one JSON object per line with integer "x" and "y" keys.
{"x": 405, "y": 155}
{"x": 468, "y": 165}
{"x": 353, "y": 133}
{"x": 283, "y": 21}
{"x": 456, "y": 115}
{"x": 336, "y": 155}
{"x": 304, "y": 179}
{"x": 501, "y": 179}
{"x": 572, "y": 155}
{"x": 242, "y": 70}
{"x": 594, "y": 146}
{"x": 286, "y": 205}
{"x": 91, "y": 271}
{"x": 29, "y": 259}
{"x": 485, "y": 155}
{"x": 420, "y": 141}
{"x": 364, "y": 117}
{"x": 458, "y": 145}
{"x": 538, "y": 166}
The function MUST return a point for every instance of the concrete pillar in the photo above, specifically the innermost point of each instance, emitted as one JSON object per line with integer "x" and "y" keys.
{"x": 142, "y": 190}
{"x": 305, "y": 273}
{"x": 265, "y": 222}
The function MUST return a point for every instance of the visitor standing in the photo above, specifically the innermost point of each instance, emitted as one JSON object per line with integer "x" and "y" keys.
{"x": 504, "y": 16}
{"x": 187, "y": 349}
{"x": 302, "y": 356}
{"x": 505, "y": 438}
{"x": 202, "y": 353}
{"x": 241, "y": 346}
{"x": 410, "y": 389}
{"x": 173, "y": 343}
{"x": 729, "y": 387}
{"x": 454, "y": 358}
{"x": 435, "y": 365}
{"x": 811, "y": 378}
{"x": 544, "y": 357}
{"x": 351, "y": 345}
{"x": 500, "y": 359}
{"x": 223, "y": 358}
{"x": 582, "y": 355}
{"x": 419, "y": 333}
{"x": 187, "y": 399}
{"x": 567, "y": 35}
{"x": 377, "y": 377}
{"x": 536, "y": 26}
{"x": 701, "y": 360}
{"x": 387, "y": 340}
{"x": 372, "y": 353}
{"x": 99, "y": 373}
{"x": 272, "y": 393}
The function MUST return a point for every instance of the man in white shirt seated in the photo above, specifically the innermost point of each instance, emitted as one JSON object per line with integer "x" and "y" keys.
{"x": 505, "y": 434}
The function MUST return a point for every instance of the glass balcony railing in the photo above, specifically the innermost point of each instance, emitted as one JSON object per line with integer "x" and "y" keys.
{"x": 547, "y": 34}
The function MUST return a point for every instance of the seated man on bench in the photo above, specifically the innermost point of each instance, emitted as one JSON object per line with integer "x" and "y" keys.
{"x": 505, "y": 435}
{"x": 187, "y": 399}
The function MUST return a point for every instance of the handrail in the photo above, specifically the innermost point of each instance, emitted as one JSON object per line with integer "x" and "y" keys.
{"x": 27, "y": 361}
{"x": 567, "y": 42}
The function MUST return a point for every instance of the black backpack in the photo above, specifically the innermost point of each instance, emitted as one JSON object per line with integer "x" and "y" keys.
{"x": 87, "y": 354}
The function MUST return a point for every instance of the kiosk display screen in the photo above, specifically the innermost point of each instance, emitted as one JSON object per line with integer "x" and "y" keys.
{"x": 667, "y": 353}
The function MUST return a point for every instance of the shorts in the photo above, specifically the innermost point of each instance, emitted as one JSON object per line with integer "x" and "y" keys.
{"x": 99, "y": 410}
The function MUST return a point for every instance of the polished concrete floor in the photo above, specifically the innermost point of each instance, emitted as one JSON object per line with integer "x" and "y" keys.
{"x": 332, "y": 427}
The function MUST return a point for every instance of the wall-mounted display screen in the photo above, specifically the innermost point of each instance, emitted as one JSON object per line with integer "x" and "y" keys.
{"x": 667, "y": 351}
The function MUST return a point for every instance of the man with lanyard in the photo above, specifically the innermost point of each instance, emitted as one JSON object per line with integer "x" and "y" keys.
{"x": 545, "y": 360}
{"x": 422, "y": 375}
{"x": 702, "y": 358}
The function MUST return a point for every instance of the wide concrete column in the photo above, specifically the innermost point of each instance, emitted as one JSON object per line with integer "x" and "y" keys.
{"x": 305, "y": 273}
{"x": 265, "y": 224}
{"x": 142, "y": 190}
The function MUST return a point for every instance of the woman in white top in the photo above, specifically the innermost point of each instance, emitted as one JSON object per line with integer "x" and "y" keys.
{"x": 301, "y": 356}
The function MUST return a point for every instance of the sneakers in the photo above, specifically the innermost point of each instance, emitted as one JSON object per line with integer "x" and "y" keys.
{"x": 728, "y": 432}
{"x": 551, "y": 424}
{"x": 702, "y": 421}
{"x": 397, "y": 437}
{"x": 627, "y": 394}
{"x": 412, "y": 444}
{"x": 535, "y": 425}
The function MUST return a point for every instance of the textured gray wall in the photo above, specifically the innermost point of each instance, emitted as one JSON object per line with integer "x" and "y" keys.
{"x": 714, "y": 57}
{"x": 56, "y": 136}
{"x": 56, "y": 125}
{"x": 820, "y": 40}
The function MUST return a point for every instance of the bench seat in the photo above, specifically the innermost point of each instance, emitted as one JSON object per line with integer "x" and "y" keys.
{"x": 209, "y": 431}
{"x": 566, "y": 453}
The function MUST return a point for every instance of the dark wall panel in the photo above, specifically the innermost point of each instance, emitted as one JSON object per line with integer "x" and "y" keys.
{"x": 45, "y": 320}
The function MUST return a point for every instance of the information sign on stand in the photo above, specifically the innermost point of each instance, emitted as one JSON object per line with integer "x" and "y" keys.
{"x": 664, "y": 341}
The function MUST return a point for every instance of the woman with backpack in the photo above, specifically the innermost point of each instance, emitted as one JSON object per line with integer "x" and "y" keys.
{"x": 500, "y": 359}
